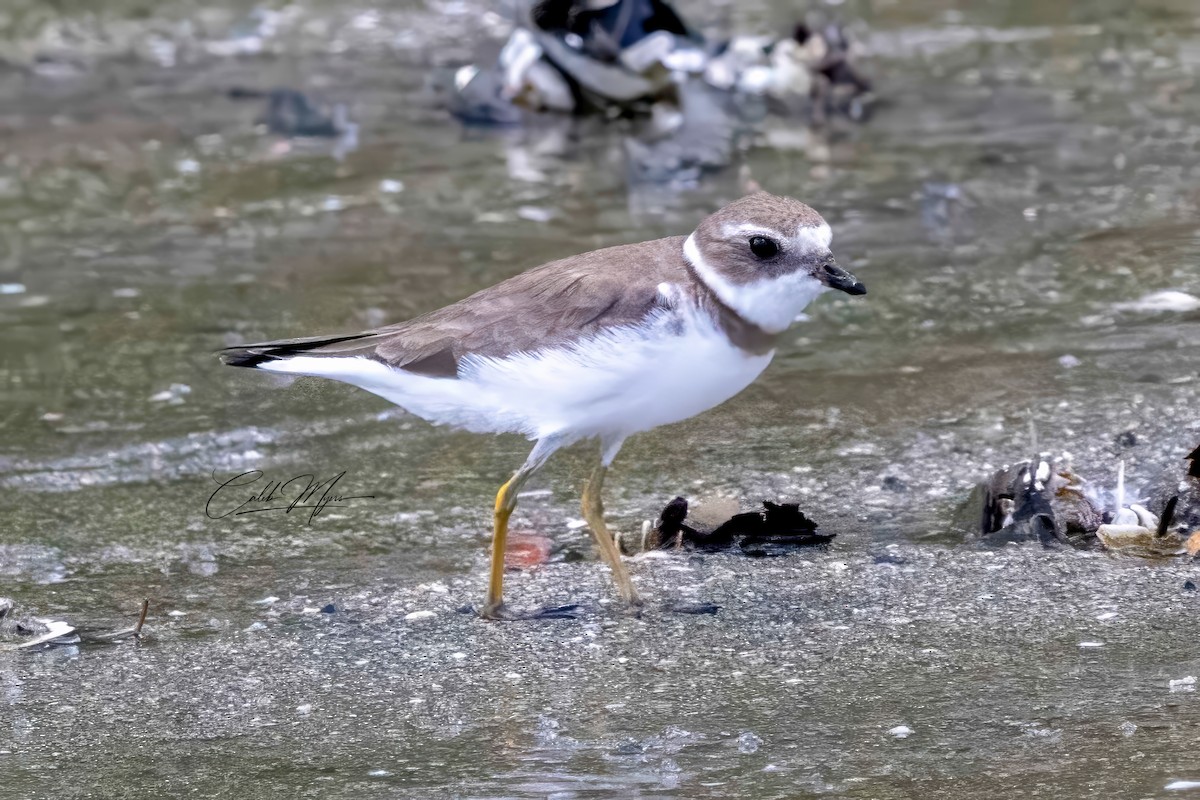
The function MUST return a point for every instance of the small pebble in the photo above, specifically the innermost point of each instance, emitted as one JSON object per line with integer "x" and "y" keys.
{"x": 416, "y": 616}
{"x": 1127, "y": 728}
{"x": 536, "y": 213}
{"x": 901, "y": 731}
{"x": 1127, "y": 439}
{"x": 1185, "y": 684}
{"x": 749, "y": 742}
{"x": 329, "y": 609}
{"x": 304, "y": 710}
{"x": 1091, "y": 644}
{"x": 1179, "y": 302}
{"x": 173, "y": 394}
{"x": 1177, "y": 786}
{"x": 1068, "y": 361}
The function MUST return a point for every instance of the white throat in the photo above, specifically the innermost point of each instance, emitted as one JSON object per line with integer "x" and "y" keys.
{"x": 770, "y": 303}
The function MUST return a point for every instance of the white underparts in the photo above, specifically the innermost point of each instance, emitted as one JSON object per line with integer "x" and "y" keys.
{"x": 674, "y": 365}
{"x": 770, "y": 303}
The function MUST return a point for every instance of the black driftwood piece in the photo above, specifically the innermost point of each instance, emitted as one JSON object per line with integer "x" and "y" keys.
{"x": 776, "y": 529}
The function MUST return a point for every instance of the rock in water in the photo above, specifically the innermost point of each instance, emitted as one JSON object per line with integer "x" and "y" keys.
{"x": 1031, "y": 502}
{"x": 1182, "y": 482}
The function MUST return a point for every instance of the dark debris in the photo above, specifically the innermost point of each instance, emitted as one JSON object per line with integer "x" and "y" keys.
{"x": 777, "y": 528}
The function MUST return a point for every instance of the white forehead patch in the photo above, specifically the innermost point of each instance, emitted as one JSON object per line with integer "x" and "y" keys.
{"x": 813, "y": 237}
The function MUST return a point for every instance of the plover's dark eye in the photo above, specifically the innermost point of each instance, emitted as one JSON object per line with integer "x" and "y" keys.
{"x": 763, "y": 248}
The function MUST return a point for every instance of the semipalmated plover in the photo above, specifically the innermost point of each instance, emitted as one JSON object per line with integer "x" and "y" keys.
{"x": 603, "y": 344}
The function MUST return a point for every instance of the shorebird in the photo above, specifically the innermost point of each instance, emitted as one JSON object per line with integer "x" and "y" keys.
{"x": 600, "y": 345}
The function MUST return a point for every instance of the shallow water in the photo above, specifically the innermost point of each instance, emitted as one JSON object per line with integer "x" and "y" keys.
{"x": 144, "y": 223}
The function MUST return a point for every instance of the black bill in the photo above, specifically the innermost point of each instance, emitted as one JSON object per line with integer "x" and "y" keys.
{"x": 835, "y": 277}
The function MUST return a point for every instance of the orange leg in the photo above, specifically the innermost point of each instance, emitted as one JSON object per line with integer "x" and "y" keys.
{"x": 593, "y": 512}
{"x": 506, "y": 501}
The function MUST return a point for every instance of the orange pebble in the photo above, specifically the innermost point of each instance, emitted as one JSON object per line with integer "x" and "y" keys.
{"x": 526, "y": 550}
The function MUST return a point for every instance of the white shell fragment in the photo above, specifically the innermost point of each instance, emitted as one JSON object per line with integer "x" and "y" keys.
{"x": 1167, "y": 300}
{"x": 1144, "y": 516}
{"x": 1124, "y": 517}
{"x": 57, "y": 629}
{"x": 1185, "y": 684}
{"x": 1178, "y": 786}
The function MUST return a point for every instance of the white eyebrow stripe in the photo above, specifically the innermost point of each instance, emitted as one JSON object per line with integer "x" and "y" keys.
{"x": 808, "y": 238}
{"x": 749, "y": 228}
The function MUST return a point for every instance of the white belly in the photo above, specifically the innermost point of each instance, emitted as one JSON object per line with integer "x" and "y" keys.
{"x": 613, "y": 384}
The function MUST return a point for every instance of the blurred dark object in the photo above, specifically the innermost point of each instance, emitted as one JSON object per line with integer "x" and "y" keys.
{"x": 607, "y": 27}
{"x": 776, "y": 529}
{"x": 291, "y": 113}
{"x": 837, "y": 83}
{"x": 834, "y": 65}
{"x": 621, "y": 58}
{"x": 945, "y": 210}
{"x": 476, "y": 99}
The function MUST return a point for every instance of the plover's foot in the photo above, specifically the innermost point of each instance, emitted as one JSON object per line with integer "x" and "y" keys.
{"x": 692, "y": 608}
{"x": 633, "y": 607}
{"x": 503, "y": 613}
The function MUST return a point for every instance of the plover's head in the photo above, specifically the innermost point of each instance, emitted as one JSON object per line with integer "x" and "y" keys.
{"x": 767, "y": 257}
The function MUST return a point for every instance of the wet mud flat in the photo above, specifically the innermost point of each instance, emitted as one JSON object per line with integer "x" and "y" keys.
{"x": 898, "y": 671}
{"x": 1027, "y": 189}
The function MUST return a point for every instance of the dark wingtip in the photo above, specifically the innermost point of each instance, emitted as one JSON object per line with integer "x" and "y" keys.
{"x": 243, "y": 357}
{"x": 259, "y": 353}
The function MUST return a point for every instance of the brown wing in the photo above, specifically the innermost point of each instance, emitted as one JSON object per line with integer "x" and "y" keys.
{"x": 552, "y": 304}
